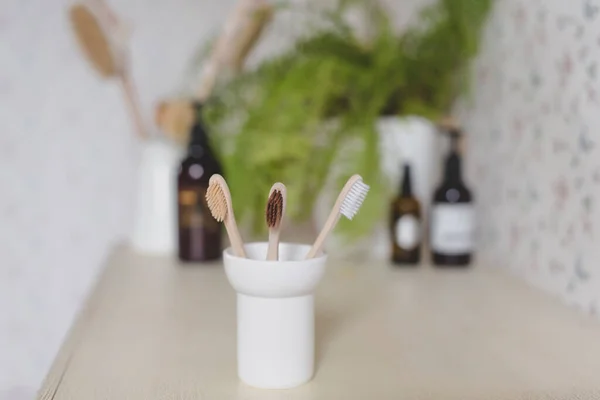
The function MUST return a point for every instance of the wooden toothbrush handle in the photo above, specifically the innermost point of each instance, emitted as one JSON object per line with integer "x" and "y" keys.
{"x": 332, "y": 221}
{"x": 133, "y": 104}
{"x": 273, "y": 249}
{"x": 234, "y": 237}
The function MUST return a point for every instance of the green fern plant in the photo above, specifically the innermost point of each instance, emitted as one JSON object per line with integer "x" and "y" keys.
{"x": 295, "y": 115}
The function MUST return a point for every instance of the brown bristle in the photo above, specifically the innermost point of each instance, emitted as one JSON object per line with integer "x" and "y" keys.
{"x": 274, "y": 209}
{"x": 216, "y": 202}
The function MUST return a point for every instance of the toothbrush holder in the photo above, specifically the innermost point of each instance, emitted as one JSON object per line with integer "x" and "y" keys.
{"x": 275, "y": 314}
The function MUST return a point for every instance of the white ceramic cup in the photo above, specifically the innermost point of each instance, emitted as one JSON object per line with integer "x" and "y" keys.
{"x": 275, "y": 314}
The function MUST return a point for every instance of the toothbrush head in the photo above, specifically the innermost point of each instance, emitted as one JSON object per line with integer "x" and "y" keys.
{"x": 275, "y": 206}
{"x": 217, "y": 197}
{"x": 93, "y": 40}
{"x": 356, "y": 192}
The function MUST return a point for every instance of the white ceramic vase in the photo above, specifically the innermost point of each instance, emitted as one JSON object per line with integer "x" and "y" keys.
{"x": 275, "y": 314}
{"x": 155, "y": 224}
{"x": 411, "y": 140}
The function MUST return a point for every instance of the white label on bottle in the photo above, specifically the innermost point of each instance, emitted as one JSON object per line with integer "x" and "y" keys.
{"x": 452, "y": 228}
{"x": 407, "y": 232}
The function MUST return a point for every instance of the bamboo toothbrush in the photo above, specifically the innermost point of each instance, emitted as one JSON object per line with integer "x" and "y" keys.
{"x": 274, "y": 216}
{"x": 243, "y": 27}
{"x": 347, "y": 204}
{"x": 103, "y": 45}
{"x": 219, "y": 203}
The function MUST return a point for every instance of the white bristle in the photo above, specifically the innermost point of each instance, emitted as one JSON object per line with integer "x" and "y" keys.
{"x": 354, "y": 199}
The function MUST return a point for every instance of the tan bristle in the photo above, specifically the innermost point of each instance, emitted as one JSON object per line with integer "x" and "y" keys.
{"x": 216, "y": 202}
{"x": 274, "y": 210}
{"x": 92, "y": 40}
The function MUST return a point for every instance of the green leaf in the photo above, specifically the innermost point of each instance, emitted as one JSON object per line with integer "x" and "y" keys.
{"x": 310, "y": 112}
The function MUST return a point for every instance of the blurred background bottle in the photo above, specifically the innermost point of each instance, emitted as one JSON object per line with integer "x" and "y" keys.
{"x": 405, "y": 226}
{"x": 452, "y": 217}
{"x": 199, "y": 232}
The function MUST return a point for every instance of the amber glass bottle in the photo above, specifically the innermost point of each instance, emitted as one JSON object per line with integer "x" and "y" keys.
{"x": 453, "y": 216}
{"x": 405, "y": 224}
{"x": 199, "y": 233}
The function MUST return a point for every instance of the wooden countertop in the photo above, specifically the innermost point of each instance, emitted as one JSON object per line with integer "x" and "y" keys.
{"x": 154, "y": 329}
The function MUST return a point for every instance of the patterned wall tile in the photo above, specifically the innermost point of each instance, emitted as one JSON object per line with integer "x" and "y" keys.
{"x": 534, "y": 155}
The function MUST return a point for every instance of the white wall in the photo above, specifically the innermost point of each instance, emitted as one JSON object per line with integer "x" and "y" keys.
{"x": 67, "y": 161}
{"x": 67, "y": 164}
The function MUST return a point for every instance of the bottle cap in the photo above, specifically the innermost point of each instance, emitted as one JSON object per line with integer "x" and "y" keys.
{"x": 456, "y": 140}
{"x": 197, "y": 106}
{"x": 198, "y": 136}
{"x": 406, "y": 183}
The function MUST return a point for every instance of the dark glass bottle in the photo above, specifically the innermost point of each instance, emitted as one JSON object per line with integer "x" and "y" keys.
{"x": 199, "y": 233}
{"x": 405, "y": 224}
{"x": 452, "y": 217}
